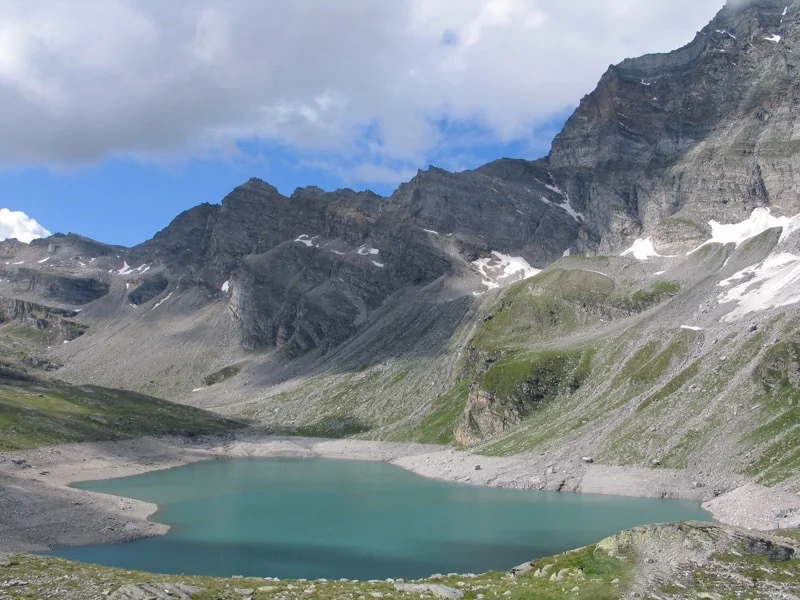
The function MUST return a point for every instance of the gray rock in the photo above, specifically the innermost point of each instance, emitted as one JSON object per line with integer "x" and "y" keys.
{"x": 156, "y": 591}
{"x": 439, "y": 591}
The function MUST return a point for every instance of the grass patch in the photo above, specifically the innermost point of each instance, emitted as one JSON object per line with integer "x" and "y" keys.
{"x": 438, "y": 427}
{"x": 36, "y": 413}
{"x": 672, "y": 386}
{"x": 545, "y": 307}
{"x": 778, "y": 433}
{"x": 537, "y": 376}
{"x": 643, "y": 299}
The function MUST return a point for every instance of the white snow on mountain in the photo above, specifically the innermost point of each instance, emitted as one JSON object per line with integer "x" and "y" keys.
{"x": 758, "y": 222}
{"x": 564, "y": 205}
{"x": 773, "y": 282}
{"x": 642, "y": 249}
{"x": 308, "y": 241}
{"x": 366, "y": 250}
{"x": 160, "y": 302}
{"x": 501, "y": 267}
{"x": 16, "y": 224}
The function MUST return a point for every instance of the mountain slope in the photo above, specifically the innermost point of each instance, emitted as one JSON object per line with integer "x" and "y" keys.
{"x": 425, "y": 316}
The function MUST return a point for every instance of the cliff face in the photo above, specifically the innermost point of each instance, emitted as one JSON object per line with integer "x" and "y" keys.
{"x": 667, "y": 142}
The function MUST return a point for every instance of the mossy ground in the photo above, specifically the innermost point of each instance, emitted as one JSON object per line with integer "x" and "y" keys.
{"x": 438, "y": 426}
{"x": 584, "y": 574}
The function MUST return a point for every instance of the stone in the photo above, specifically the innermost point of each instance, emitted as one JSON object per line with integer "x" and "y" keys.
{"x": 437, "y": 590}
{"x": 156, "y": 591}
{"x": 587, "y": 459}
{"x": 477, "y": 467}
{"x": 522, "y": 569}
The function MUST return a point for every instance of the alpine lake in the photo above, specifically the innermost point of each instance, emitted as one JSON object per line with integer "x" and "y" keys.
{"x": 320, "y": 518}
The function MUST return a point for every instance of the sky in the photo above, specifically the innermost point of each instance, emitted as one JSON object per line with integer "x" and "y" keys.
{"x": 115, "y": 116}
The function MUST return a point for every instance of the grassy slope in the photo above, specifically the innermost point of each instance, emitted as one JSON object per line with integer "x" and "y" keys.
{"x": 36, "y": 412}
{"x": 659, "y": 393}
{"x": 36, "y": 409}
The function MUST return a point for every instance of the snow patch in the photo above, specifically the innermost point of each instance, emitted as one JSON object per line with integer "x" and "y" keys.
{"x": 126, "y": 268}
{"x": 643, "y": 82}
{"x": 659, "y": 272}
{"x": 225, "y": 287}
{"x": 337, "y": 252}
{"x": 691, "y": 328}
{"x": 44, "y": 260}
{"x": 21, "y": 262}
{"x": 500, "y": 266}
{"x": 772, "y": 283}
{"x": 773, "y": 38}
{"x": 565, "y": 205}
{"x": 785, "y": 10}
{"x": 196, "y": 389}
{"x": 724, "y": 32}
{"x": 642, "y": 249}
{"x": 567, "y": 252}
{"x": 431, "y": 231}
{"x": 758, "y": 222}
{"x": 160, "y": 302}
{"x": 377, "y": 264}
{"x": 366, "y": 250}
{"x": 308, "y": 241}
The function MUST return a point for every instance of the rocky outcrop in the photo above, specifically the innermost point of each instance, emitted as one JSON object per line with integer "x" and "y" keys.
{"x": 61, "y": 287}
{"x": 148, "y": 287}
{"x": 485, "y": 416}
{"x": 60, "y": 322}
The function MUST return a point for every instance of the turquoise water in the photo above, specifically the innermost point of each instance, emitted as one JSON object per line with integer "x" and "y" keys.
{"x": 314, "y": 518}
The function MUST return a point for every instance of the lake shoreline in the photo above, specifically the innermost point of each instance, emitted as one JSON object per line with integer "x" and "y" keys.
{"x": 38, "y": 509}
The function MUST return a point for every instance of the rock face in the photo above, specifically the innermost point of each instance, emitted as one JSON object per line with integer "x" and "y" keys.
{"x": 668, "y": 141}
{"x": 60, "y": 323}
{"x": 305, "y": 271}
{"x": 61, "y": 288}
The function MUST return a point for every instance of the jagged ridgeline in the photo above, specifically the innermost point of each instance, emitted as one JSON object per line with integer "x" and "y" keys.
{"x": 631, "y": 297}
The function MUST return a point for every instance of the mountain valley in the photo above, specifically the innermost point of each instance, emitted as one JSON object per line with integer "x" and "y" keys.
{"x": 628, "y": 303}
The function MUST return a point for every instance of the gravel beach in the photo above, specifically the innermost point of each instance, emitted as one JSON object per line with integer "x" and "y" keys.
{"x": 38, "y": 510}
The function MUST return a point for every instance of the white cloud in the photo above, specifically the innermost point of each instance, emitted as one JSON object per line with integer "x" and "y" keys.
{"x": 82, "y": 80}
{"x": 16, "y": 224}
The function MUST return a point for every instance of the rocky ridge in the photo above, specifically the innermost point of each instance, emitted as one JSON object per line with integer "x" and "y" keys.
{"x": 345, "y": 313}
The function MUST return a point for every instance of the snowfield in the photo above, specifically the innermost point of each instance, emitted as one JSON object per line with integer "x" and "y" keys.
{"x": 773, "y": 282}
{"x": 509, "y": 269}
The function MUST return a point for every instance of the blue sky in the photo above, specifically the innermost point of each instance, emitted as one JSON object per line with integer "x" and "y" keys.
{"x": 126, "y": 201}
{"x": 119, "y": 115}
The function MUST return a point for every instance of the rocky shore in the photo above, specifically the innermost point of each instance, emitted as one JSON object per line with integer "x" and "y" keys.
{"x": 39, "y": 510}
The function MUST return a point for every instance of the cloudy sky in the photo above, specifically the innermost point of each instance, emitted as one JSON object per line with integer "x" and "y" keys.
{"x": 117, "y": 115}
